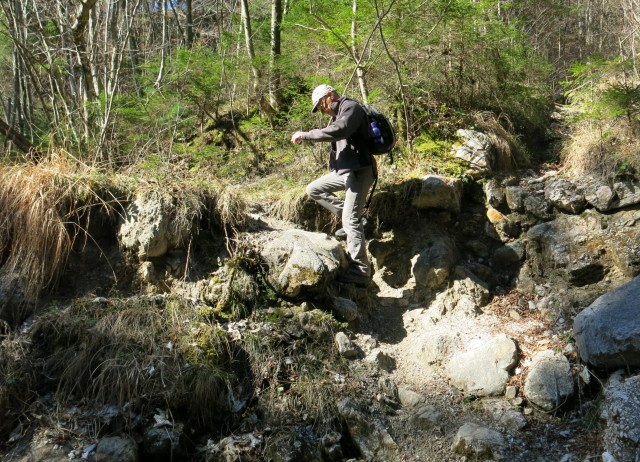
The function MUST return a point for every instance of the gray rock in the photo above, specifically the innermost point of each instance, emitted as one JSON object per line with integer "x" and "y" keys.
{"x": 627, "y": 192}
{"x": 345, "y": 346}
{"x": 433, "y": 266}
{"x": 494, "y": 194}
{"x": 607, "y": 333}
{"x": 504, "y": 416}
{"x": 409, "y": 398}
{"x": 150, "y": 225}
{"x": 565, "y": 195}
{"x": 112, "y": 448}
{"x": 428, "y": 417}
{"x": 161, "y": 443}
{"x": 477, "y": 150}
{"x": 549, "y": 383}
{"x": 600, "y": 195}
{"x": 515, "y": 196}
{"x": 300, "y": 261}
{"x": 622, "y": 412}
{"x": 345, "y": 308}
{"x": 483, "y": 369}
{"x": 466, "y": 295}
{"x": 370, "y": 437}
{"x": 439, "y": 192}
{"x": 538, "y": 207}
{"x": 479, "y": 443}
{"x": 573, "y": 247}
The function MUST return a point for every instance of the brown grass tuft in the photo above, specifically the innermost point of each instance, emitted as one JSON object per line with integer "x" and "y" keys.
{"x": 511, "y": 154}
{"x": 38, "y": 205}
{"x": 602, "y": 155}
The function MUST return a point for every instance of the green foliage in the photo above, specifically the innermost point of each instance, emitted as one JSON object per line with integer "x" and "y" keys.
{"x": 595, "y": 89}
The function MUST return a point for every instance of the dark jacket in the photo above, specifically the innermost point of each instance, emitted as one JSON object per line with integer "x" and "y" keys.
{"x": 348, "y": 133}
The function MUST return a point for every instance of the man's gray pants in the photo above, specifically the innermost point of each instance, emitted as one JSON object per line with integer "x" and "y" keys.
{"x": 355, "y": 184}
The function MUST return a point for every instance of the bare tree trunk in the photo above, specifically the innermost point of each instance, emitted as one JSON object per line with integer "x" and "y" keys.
{"x": 246, "y": 22}
{"x": 163, "y": 45}
{"x": 354, "y": 51}
{"x": 189, "y": 25}
{"x": 79, "y": 28}
{"x": 274, "y": 72}
{"x": 16, "y": 138}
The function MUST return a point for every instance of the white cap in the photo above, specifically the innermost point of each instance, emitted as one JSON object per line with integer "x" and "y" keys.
{"x": 318, "y": 93}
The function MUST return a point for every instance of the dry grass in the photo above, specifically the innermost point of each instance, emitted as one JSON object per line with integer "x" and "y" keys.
{"x": 602, "y": 154}
{"x": 511, "y": 153}
{"x": 141, "y": 353}
{"x": 43, "y": 210}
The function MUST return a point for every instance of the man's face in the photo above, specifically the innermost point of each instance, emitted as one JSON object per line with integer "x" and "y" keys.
{"x": 324, "y": 105}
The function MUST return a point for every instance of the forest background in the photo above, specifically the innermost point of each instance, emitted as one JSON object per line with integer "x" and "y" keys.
{"x": 214, "y": 88}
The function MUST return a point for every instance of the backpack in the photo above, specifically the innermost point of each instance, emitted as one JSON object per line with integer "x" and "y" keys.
{"x": 382, "y": 140}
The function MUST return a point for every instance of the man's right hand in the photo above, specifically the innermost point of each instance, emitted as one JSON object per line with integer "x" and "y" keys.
{"x": 296, "y": 138}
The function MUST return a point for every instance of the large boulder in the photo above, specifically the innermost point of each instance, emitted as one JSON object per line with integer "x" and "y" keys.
{"x": 122, "y": 449}
{"x": 565, "y": 195}
{"x": 433, "y": 266}
{"x": 477, "y": 150}
{"x": 621, "y": 409}
{"x": 607, "y": 333}
{"x": 605, "y": 197}
{"x": 439, "y": 192}
{"x": 570, "y": 246}
{"x": 483, "y": 369}
{"x": 549, "y": 383}
{"x": 152, "y": 225}
{"x": 301, "y": 261}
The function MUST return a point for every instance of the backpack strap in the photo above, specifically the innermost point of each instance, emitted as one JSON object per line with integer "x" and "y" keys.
{"x": 374, "y": 166}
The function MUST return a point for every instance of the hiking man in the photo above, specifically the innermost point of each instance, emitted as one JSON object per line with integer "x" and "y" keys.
{"x": 352, "y": 170}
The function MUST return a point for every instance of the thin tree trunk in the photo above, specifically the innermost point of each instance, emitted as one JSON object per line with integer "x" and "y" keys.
{"x": 189, "y": 26}
{"x": 246, "y": 22}
{"x": 16, "y": 138}
{"x": 79, "y": 28}
{"x": 274, "y": 73}
{"x": 354, "y": 51}
{"x": 163, "y": 45}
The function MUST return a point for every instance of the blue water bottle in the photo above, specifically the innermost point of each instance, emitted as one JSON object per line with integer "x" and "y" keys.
{"x": 376, "y": 134}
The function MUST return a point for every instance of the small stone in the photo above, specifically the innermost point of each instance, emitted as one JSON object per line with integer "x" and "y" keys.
{"x": 510, "y": 392}
{"x": 408, "y": 398}
{"x": 514, "y": 315}
{"x": 345, "y": 346}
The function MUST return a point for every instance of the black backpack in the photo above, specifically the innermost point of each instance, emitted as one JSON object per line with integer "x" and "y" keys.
{"x": 383, "y": 142}
{"x": 379, "y": 143}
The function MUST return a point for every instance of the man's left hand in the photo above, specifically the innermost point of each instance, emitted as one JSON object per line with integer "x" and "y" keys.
{"x": 296, "y": 138}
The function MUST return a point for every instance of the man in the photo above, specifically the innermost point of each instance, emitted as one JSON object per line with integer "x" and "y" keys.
{"x": 352, "y": 170}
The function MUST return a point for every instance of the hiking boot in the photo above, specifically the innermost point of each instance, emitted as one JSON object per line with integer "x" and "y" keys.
{"x": 350, "y": 277}
{"x": 341, "y": 234}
